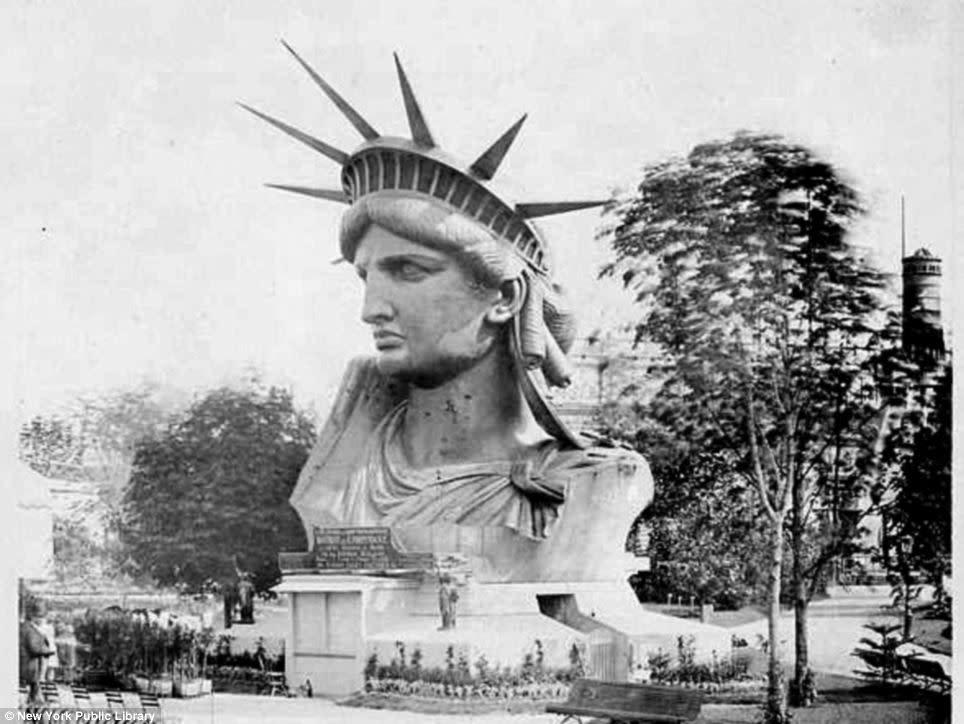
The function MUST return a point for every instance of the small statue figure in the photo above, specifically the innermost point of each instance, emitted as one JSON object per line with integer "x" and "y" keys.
{"x": 448, "y": 596}
{"x": 246, "y": 598}
{"x": 232, "y": 586}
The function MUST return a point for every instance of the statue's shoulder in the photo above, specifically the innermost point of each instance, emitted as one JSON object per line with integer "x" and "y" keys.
{"x": 365, "y": 396}
{"x": 598, "y": 452}
{"x": 365, "y": 392}
{"x": 599, "y": 474}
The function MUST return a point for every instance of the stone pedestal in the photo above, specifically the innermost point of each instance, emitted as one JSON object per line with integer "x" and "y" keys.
{"x": 338, "y": 621}
{"x": 330, "y": 619}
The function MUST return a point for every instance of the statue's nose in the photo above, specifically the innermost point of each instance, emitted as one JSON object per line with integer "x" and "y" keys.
{"x": 375, "y": 307}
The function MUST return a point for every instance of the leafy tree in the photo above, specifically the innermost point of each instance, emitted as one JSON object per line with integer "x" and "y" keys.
{"x": 213, "y": 489}
{"x": 111, "y": 427}
{"x": 739, "y": 254}
{"x": 50, "y": 446}
{"x": 710, "y": 546}
{"x": 77, "y": 554}
{"x": 705, "y": 538}
{"x": 917, "y": 471}
{"x": 92, "y": 441}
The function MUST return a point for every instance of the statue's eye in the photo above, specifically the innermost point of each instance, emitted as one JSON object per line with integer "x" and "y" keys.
{"x": 407, "y": 270}
{"x": 411, "y": 272}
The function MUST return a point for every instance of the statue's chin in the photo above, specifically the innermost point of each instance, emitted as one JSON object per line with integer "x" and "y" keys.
{"x": 427, "y": 375}
{"x": 423, "y": 378}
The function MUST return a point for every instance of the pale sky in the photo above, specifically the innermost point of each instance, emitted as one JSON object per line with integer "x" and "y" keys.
{"x": 140, "y": 242}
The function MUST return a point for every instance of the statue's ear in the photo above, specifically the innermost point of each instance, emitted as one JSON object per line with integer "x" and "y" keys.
{"x": 511, "y": 295}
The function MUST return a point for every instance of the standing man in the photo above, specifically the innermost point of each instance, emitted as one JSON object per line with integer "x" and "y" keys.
{"x": 66, "y": 643}
{"x": 50, "y": 665}
{"x": 34, "y": 649}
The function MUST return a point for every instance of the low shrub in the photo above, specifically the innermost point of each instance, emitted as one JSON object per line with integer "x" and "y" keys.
{"x": 459, "y": 678}
{"x": 686, "y": 670}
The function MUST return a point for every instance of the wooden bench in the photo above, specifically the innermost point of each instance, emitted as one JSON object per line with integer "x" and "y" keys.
{"x": 81, "y": 696}
{"x": 878, "y": 663}
{"x": 67, "y": 700}
{"x": 927, "y": 673}
{"x": 275, "y": 683}
{"x": 628, "y": 703}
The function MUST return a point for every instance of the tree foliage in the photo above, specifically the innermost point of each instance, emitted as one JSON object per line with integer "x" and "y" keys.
{"x": 93, "y": 440}
{"x": 711, "y": 545}
{"x": 50, "y": 445}
{"x": 703, "y": 531}
{"x": 738, "y": 253}
{"x": 215, "y": 486}
{"x": 917, "y": 466}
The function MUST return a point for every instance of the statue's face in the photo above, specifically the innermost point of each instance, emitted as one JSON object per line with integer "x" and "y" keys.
{"x": 428, "y": 315}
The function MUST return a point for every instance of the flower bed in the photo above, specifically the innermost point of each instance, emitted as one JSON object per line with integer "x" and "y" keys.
{"x": 532, "y": 679}
{"x": 543, "y": 691}
{"x": 450, "y": 706}
{"x": 727, "y": 679}
{"x": 460, "y": 688}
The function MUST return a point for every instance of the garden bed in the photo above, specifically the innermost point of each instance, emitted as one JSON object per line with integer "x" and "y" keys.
{"x": 240, "y": 680}
{"x": 460, "y": 688}
{"x": 433, "y": 705}
{"x": 420, "y": 697}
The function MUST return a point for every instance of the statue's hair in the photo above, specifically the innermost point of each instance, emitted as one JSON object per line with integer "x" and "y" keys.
{"x": 489, "y": 260}
{"x": 430, "y": 224}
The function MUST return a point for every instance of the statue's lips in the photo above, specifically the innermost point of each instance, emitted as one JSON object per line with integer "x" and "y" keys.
{"x": 387, "y": 340}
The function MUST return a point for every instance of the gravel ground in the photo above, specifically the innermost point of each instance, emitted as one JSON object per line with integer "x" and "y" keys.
{"x": 242, "y": 709}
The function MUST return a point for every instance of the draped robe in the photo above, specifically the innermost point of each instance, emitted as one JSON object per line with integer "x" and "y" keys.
{"x": 551, "y": 513}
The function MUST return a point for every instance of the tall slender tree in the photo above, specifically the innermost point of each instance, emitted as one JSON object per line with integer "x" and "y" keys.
{"x": 739, "y": 254}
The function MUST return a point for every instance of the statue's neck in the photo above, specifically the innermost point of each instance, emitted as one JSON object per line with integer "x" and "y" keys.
{"x": 478, "y": 416}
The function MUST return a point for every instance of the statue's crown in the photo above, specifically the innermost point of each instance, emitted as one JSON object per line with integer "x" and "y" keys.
{"x": 418, "y": 166}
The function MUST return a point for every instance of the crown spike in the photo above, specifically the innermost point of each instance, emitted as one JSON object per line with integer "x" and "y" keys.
{"x": 487, "y": 164}
{"x": 532, "y": 211}
{"x": 416, "y": 121}
{"x": 331, "y": 152}
{"x": 327, "y": 194}
{"x": 363, "y": 127}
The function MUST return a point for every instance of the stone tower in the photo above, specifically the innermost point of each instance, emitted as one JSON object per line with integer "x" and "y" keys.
{"x": 923, "y": 336}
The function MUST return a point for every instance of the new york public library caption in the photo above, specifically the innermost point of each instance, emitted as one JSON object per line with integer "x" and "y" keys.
{"x": 78, "y": 715}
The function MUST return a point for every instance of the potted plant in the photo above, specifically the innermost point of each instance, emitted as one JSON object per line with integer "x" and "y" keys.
{"x": 186, "y": 682}
{"x": 204, "y": 639}
{"x": 162, "y": 681}
{"x": 140, "y": 642}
